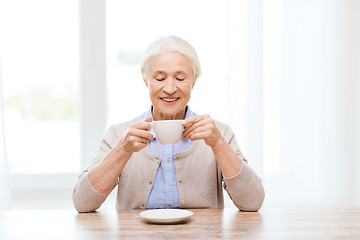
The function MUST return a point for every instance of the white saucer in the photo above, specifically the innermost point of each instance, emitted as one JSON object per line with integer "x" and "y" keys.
{"x": 166, "y": 215}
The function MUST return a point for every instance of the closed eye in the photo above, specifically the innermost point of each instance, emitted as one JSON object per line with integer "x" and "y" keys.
{"x": 180, "y": 76}
{"x": 159, "y": 76}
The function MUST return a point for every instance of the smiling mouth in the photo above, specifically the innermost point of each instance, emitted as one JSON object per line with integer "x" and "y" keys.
{"x": 173, "y": 99}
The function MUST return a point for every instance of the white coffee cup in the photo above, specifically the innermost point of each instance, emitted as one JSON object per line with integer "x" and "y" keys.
{"x": 168, "y": 131}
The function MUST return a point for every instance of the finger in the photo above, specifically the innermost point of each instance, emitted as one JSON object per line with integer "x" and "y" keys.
{"x": 145, "y": 134}
{"x": 189, "y": 121}
{"x": 196, "y": 131}
{"x": 140, "y": 133}
{"x": 148, "y": 119}
{"x": 139, "y": 141}
{"x": 198, "y": 136}
{"x": 143, "y": 125}
{"x": 196, "y": 121}
{"x": 189, "y": 131}
{"x": 133, "y": 143}
{"x": 142, "y": 140}
{"x": 194, "y": 127}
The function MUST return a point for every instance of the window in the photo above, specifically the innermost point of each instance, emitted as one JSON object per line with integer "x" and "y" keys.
{"x": 39, "y": 53}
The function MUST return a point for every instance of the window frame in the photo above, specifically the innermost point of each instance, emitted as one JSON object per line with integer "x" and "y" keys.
{"x": 93, "y": 100}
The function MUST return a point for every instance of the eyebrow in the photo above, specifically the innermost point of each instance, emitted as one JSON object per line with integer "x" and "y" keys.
{"x": 180, "y": 72}
{"x": 159, "y": 72}
{"x": 164, "y": 73}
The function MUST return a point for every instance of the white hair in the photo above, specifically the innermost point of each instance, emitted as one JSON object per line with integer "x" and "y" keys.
{"x": 173, "y": 44}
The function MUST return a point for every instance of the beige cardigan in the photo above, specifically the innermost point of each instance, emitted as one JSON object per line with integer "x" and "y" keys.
{"x": 199, "y": 179}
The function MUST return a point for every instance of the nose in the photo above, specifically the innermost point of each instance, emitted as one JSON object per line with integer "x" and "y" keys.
{"x": 170, "y": 86}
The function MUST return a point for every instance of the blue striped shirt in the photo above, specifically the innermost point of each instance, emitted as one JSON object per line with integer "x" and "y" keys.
{"x": 164, "y": 193}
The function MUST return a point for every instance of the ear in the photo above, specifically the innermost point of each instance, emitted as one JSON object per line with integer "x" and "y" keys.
{"x": 145, "y": 81}
{"x": 193, "y": 84}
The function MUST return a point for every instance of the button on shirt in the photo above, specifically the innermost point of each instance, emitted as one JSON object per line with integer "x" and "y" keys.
{"x": 164, "y": 193}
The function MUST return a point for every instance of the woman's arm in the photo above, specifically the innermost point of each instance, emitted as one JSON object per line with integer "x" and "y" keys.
{"x": 93, "y": 187}
{"x": 203, "y": 127}
{"x": 241, "y": 182}
{"x": 103, "y": 177}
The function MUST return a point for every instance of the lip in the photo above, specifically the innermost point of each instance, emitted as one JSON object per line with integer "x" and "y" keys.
{"x": 170, "y": 102}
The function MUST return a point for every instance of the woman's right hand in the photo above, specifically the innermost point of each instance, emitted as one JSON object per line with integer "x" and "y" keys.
{"x": 136, "y": 136}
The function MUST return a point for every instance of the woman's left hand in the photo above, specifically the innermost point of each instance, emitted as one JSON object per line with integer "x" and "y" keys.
{"x": 201, "y": 127}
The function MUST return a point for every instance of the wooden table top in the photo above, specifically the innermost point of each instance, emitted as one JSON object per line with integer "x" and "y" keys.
{"x": 316, "y": 223}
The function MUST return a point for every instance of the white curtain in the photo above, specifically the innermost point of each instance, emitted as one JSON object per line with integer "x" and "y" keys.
{"x": 4, "y": 187}
{"x": 295, "y": 97}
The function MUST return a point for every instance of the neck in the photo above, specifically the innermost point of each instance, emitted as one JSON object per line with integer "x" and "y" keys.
{"x": 160, "y": 116}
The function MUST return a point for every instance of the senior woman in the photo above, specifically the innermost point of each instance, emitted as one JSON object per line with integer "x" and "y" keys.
{"x": 189, "y": 174}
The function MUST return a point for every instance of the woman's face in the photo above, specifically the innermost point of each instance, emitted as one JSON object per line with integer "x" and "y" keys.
{"x": 170, "y": 79}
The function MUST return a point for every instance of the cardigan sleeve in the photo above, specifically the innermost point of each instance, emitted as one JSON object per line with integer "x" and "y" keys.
{"x": 85, "y": 197}
{"x": 245, "y": 189}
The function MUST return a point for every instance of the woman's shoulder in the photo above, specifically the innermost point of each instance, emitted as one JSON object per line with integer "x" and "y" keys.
{"x": 221, "y": 125}
{"x": 224, "y": 129}
{"x": 119, "y": 128}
